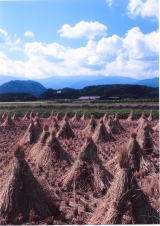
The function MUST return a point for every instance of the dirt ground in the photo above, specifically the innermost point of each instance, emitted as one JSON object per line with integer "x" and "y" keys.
{"x": 77, "y": 207}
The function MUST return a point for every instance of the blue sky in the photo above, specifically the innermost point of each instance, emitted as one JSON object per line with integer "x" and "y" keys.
{"x": 43, "y": 38}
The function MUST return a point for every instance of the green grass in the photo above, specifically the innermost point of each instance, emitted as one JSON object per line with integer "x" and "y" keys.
{"x": 77, "y": 105}
{"x": 96, "y": 108}
{"x": 123, "y": 113}
{"x": 129, "y": 100}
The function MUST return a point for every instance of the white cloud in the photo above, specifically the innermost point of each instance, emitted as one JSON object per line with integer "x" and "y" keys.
{"x": 14, "y": 44}
{"x": 10, "y": 67}
{"x": 3, "y": 35}
{"x": 134, "y": 55}
{"x": 11, "y": 43}
{"x": 109, "y": 46}
{"x": 143, "y": 8}
{"x": 110, "y": 2}
{"x": 139, "y": 45}
{"x": 29, "y": 34}
{"x": 83, "y": 29}
{"x": 131, "y": 68}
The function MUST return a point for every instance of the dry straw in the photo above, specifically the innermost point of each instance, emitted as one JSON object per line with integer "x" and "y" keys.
{"x": 117, "y": 123}
{"x": 51, "y": 115}
{"x": 83, "y": 117}
{"x": 113, "y": 206}
{"x": 58, "y": 117}
{"x": 142, "y": 211}
{"x": 101, "y": 134}
{"x": 75, "y": 118}
{"x": 142, "y": 118}
{"x": 124, "y": 189}
{"x": 134, "y": 153}
{"x": 90, "y": 128}
{"x": 32, "y": 133}
{"x": 144, "y": 138}
{"x": 41, "y": 142}
{"x": 4, "y": 115}
{"x": 156, "y": 127}
{"x": 87, "y": 173}
{"x": 8, "y": 121}
{"x": 22, "y": 193}
{"x": 26, "y": 116}
{"x": 54, "y": 124}
{"x": 66, "y": 117}
{"x": 51, "y": 153}
{"x": 65, "y": 131}
{"x": 32, "y": 115}
{"x": 112, "y": 126}
{"x": 138, "y": 159}
{"x": 141, "y": 122}
{"x": 131, "y": 116}
{"x": 15, "y": 118}
{"x": 105, "y": 117}
{"x": 150, "y": 117}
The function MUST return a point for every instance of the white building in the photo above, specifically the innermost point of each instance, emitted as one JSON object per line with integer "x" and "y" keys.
{"x": 89, "y": 98}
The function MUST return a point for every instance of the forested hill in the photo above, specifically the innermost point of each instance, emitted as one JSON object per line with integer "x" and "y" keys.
{"x": 20, "y": 86}
{"x": 104, "y": 91}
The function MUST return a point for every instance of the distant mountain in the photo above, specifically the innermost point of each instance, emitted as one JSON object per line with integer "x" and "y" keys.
{"x": 153, "y": 82}
{"x": 109, "y": 80}
{"x": 60, "y": 82}
{"x": 79, "y": 82}
{"x": 18, "y": 86}
{"x": 55, "y": 82}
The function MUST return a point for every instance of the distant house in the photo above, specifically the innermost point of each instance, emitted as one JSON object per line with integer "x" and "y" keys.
{"x": 89, "y": 98}
{"x": 114, "y": 98}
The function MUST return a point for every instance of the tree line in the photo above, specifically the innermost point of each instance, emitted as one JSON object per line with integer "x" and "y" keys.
{"x": 104, "y": 91}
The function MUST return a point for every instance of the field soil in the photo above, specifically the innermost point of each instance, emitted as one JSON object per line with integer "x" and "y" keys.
{"x": 77, "y": 206}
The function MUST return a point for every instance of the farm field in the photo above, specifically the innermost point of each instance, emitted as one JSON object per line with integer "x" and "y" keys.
{"x": 98, "y": 108}
{"x": 79, "y": 168}
{"x": 79, "y": 112}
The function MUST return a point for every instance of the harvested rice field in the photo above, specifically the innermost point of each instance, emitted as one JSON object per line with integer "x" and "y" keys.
{"x": 79, "y": 170}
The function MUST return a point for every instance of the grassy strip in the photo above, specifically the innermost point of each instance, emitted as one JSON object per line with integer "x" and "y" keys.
{"x": 123, "y": 113}
{"x": 80, "y": 106}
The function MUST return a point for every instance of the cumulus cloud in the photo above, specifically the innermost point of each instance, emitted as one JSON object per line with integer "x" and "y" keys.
{"x": 110, "y": 46}
{"x": 132, "y": 68}
{"x": 3, "y": 35}
{"x": 143, "y": 8}
{"x": 83, "y": 29}
{"x": 134, "y": 55}
{"x": 29, "y": 34}
{"x": 139, "y": 45}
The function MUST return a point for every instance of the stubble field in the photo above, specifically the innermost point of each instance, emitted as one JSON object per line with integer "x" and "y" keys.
{"x": 79, "y": 170}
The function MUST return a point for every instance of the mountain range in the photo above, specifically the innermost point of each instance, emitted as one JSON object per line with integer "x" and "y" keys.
{"x": 154, "y": 82}
{"x": 79, "y": 82}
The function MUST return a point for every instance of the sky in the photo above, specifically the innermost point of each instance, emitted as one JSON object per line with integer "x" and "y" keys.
{"x": 45, "y": 38}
